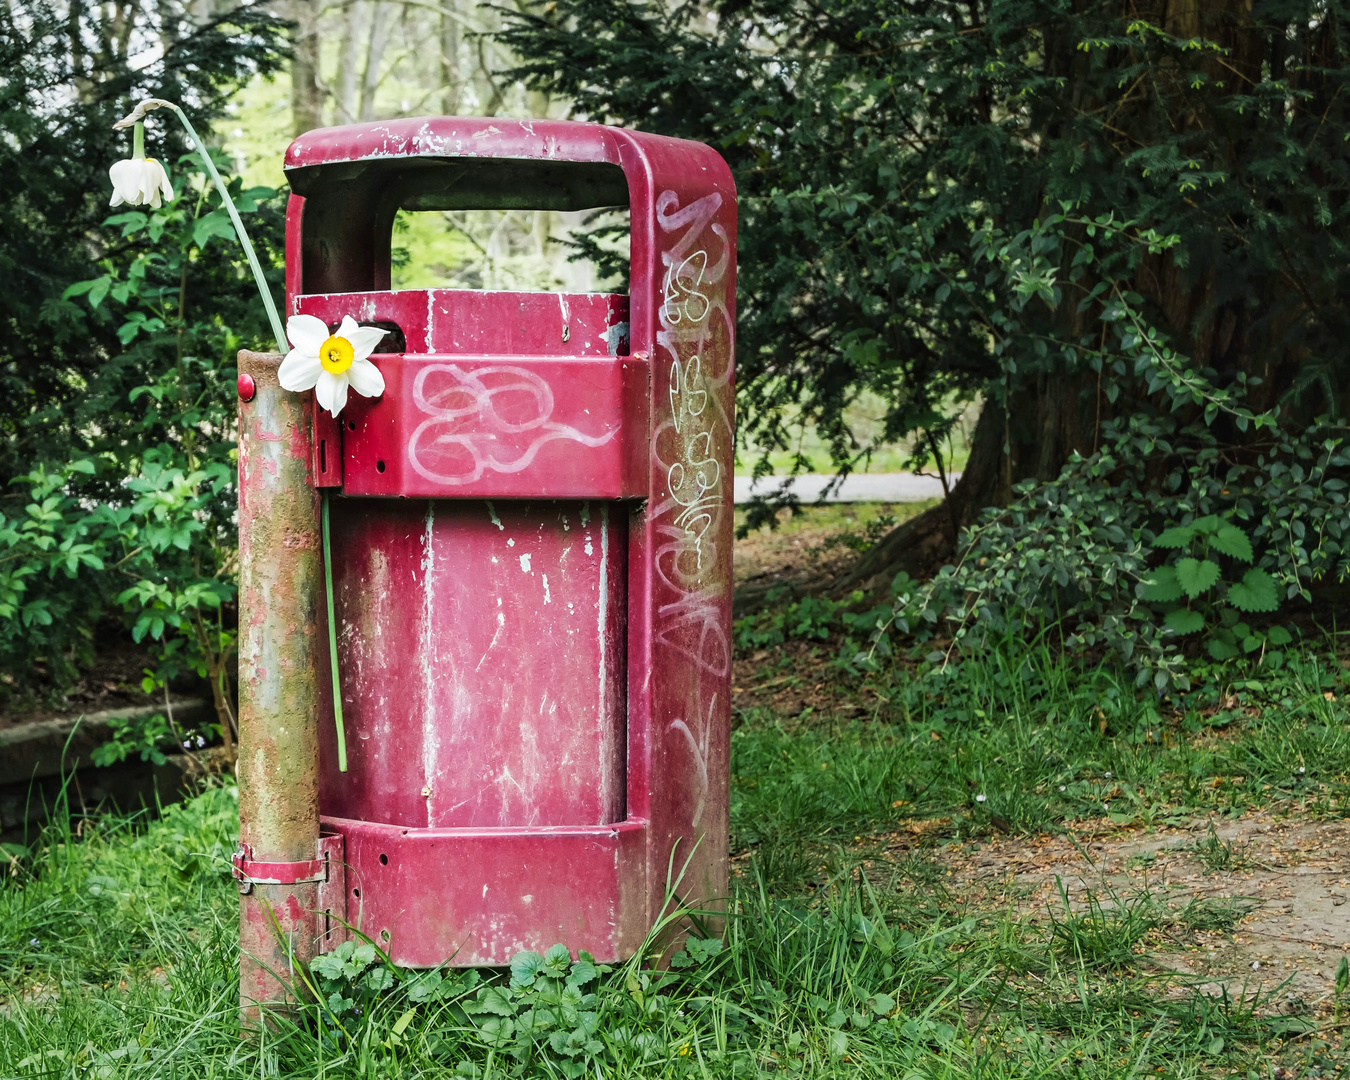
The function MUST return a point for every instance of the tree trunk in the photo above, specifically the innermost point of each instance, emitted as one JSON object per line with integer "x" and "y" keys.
{"x": 452, "y": 80}
{"x": 381, "y": 16}
{"x": 1045, "y": 425}
{"x": 306, "y": 93}
{"x": 1064, "y": 413}
{"x": 347, "y": 68}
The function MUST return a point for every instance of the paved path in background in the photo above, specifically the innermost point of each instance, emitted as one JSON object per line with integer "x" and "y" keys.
{"x": 857, "y": 487}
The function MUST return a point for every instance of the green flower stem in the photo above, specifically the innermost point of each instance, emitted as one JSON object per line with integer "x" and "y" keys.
{"x": 332, "y": 641}
{"x": 278, "y": 331}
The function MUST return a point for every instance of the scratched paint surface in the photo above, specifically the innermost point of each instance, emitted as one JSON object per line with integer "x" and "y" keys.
{"x": 481, "y": 321}
{"x": 462, "y": 893}
{"x": 482, "y": 652}
{"x": 479, "y": 896}
{"x": 691, "y": 523}
{"x": 506, "y": 427}
{"x": 279, "y": 598}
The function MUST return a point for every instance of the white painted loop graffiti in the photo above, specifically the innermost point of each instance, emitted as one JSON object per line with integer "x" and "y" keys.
{"x": 687, "y": 448}
{"x": 465, "y": 433}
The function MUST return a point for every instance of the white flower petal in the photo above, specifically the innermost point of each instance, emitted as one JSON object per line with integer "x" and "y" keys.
{"x": 325, "y": 390}
{"x": 307, "y": 333}
{"x": 364, "y": 339}
{"x": 299, "y": 371}
{"x": 147, "y": 182}
{"x": 365, "y": 378}
{"x": 340, "y": 383}
{"x": 165, "y": 188}
{"x": 126, "y": 179}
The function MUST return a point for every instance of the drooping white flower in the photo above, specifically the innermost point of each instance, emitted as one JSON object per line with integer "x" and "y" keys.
{"x": 139, "y": 181}
{"x": 329, "y": 363}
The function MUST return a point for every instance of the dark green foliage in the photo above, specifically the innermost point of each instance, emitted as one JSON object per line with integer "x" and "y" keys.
{"x": 117, "y": 340}
{"x": 1080, "y": 213}
{"x": 1088, "y": 551}
{"x": 58, "y": 101}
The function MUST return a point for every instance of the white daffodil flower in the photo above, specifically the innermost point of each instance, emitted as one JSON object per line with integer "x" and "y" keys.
{"x": 138, "y": 181}
{"x": 329, "y": 363}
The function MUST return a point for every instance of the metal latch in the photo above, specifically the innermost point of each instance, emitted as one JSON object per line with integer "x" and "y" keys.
{"x": 249, "y": 872}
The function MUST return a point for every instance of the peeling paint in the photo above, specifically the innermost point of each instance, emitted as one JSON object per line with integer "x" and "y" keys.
{"x": 279, "y": 599}
{"x": 430, "y": 728}
{"x": 602, "y": 635}
{"x": 492, "y": 515}
{"x": 525, "y": 562}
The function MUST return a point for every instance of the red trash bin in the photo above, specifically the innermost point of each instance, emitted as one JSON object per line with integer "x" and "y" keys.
{"x": 531, "y": 552}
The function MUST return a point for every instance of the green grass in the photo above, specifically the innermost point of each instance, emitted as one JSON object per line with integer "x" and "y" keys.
{"x": 1025, "y": 745}
{"x": 118, "y": 945}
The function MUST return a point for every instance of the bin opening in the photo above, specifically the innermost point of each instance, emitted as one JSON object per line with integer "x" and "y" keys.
{"x": 351, "y": 207}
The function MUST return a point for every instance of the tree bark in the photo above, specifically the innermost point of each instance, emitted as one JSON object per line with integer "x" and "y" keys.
{"x": 381, "y": 15}
{"x": 347, "y": 67}
{"x": 306, "y": 93}
{"x": 1044, "y": 426}
{"x": 452, "y": 80}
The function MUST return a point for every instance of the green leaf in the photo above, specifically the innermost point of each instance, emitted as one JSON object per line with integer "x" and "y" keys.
{"x": 1230, "y": 540}
{"x": 1220, "y": 649}
{"x": 1278, "y": 635}
{"x": 1176, "y": 537}
{"x": 1164, "y": 587}
{"x": 1255, "y": 592}
{"x": 524, "y": 967}
{"x": 1184, "y": 621}
{"x": 583, "y": 971}
{"x": 557, "y": 961}
{"x": 496, "y": 1031}
{"x": 216, "y": 223}
{"x": 1196, "y": 575}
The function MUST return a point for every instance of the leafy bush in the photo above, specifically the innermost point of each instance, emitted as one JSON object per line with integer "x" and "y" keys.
{"x": 141, "y": 524}
{"x": 1136, "y": 571}
{"x": 1174, "y": 526}
{"x": 120, "y": 335}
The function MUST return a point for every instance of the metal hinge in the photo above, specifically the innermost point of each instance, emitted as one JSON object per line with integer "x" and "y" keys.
{"x": 249, "y": 871}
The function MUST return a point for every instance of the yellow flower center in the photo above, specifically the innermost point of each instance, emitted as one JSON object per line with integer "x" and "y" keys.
{"x": 336, "y": 355}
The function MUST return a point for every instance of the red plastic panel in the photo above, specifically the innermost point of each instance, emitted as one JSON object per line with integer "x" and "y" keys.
{"x": 464, "y": 136}
{"x": 688, "y": 538}
{"x": 497, "y": 323}
{"x": 500, "y": 427}
{"x": 482, "y": 654}
{"x": 470, "y": 896}
{"x": 465, "y": 895}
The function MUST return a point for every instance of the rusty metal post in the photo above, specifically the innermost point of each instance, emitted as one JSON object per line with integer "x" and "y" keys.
{"x": 280, "y": 643}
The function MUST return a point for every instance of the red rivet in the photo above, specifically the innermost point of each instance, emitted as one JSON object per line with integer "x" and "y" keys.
{"x": 246, "y": 388}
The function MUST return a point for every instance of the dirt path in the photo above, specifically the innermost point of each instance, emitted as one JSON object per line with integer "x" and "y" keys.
{"x": 1283, "y": 883}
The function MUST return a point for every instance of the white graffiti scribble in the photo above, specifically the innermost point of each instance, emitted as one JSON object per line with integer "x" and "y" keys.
{"x": 699, "y": 746}
{"x": 688, "y": 448}
{"x": 465, "y": 426}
